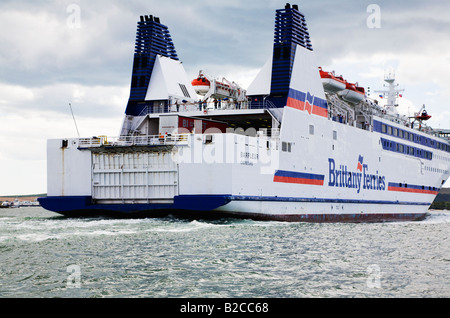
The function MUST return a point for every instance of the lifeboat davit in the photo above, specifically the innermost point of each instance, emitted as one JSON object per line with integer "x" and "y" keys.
{"x": 352, "y": 93}
{"x": 201, "y": 85}
{"x": 331, "y": 83}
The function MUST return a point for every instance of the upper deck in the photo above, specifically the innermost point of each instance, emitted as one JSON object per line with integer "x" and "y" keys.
{"x": 263, "y": 115}
{"x": 160, "y": 87}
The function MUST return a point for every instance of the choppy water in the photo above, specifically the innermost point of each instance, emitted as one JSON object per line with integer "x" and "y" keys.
{"x": 45, "y": 255}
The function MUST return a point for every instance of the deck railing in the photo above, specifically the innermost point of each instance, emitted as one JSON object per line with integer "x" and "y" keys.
{"x": 127, "y": 141}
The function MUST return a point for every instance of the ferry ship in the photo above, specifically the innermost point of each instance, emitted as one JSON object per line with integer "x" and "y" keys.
{"x": 299, "y": 144}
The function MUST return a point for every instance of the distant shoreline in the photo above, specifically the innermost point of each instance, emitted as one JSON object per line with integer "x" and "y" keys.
{"x": 23, "y": 197}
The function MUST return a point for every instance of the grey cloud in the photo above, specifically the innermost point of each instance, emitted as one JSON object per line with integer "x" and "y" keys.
{"x": 232, "y": 35}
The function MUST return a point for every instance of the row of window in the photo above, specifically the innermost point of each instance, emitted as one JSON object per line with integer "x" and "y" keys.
{"x": 311, "y": 132}
{"x": 416, "y": 138}
{"x": 405, "y": 185}
{"x": 433, "y": 169}
{"x": 405, "y": 149}
{"x": 443, "y": 158}
{"x": 392, "y": 145}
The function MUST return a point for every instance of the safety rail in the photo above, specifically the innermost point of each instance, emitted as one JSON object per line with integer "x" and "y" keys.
{"x": 127, "y": 141}
{"x": 218, "y": 105}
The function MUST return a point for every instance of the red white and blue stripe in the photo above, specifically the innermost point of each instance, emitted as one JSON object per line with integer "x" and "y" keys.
{"x": 307, "y": 102}
{"x": 403, "y": 187}
{"x": 298, "y": 177}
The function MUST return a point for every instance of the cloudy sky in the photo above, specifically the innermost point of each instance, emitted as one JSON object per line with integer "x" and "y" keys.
{"x": 56, "y": 52}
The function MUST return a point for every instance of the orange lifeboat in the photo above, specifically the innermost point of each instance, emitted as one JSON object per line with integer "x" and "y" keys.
{"x": 201, "y": 85}
{"x": 353, "y": 93}
{"x": 332, "y": 83}
{"x": 423, "y": 116}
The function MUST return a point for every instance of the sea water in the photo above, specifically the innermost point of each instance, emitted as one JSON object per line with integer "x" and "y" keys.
{"x": 45, "y": 255}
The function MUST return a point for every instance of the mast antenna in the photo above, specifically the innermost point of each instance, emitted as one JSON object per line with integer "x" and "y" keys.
{"x": 70, "y": 105}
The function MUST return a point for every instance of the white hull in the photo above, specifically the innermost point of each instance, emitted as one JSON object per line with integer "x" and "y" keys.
{"x": 323, "y": 212}
{"x": 242, "y": 170}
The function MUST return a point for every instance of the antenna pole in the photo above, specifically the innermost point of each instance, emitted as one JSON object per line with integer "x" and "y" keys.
{"x": 70, "y": 105}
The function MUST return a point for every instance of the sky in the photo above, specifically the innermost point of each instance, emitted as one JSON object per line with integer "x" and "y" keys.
{"x": 54, "y": 53}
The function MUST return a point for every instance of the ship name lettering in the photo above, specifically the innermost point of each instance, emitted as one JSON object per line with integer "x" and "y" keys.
{"x": 249, "y": 155}
{"x": 341, "y": 176}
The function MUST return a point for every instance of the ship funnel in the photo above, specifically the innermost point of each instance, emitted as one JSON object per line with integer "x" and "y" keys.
{"x": 291, "y": 36}
{"x": 152, "y": 39}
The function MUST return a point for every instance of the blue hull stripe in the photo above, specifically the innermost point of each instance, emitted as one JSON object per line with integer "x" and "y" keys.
{"x": 299, "y": 175}
{"x": 191, "y": 203}
{"x": 181, "y": 202}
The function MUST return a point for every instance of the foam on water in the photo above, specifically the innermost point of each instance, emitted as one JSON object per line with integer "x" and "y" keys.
{"x": 436, "y": 216}
{"x": 40, "y": 229}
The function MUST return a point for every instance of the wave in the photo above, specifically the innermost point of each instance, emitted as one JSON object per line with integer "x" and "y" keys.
{"x": 437, "y": 216}
{"x": 41, "y": 229}
{"x": 61, "y": 229}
